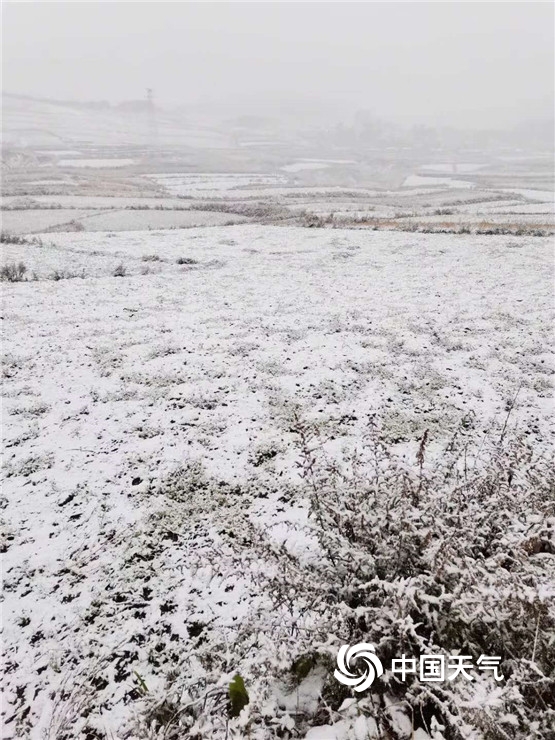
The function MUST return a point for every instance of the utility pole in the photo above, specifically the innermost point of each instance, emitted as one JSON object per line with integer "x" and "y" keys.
{"x": 152, "y": 127}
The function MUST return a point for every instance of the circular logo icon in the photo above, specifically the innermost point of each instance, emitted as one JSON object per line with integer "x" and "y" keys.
{"x": 362, "y": 652}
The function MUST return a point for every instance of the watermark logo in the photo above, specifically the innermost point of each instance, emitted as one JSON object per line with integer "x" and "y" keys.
{"x": 362, "y": 652}
{"x": 427, "y": 668}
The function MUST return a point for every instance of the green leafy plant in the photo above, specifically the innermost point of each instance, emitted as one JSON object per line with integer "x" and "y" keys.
{"x": 238, "y": 696}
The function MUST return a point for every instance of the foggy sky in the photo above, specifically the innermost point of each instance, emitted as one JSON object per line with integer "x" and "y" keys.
{"x": 477, "y": 64}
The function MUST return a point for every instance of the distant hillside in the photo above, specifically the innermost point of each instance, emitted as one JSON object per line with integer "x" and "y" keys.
{"x": 36, "y": 123}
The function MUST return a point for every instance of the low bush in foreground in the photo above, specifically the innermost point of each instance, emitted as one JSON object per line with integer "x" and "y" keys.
{"x": 451, "y": 552}
{"x": 453, "y": 557}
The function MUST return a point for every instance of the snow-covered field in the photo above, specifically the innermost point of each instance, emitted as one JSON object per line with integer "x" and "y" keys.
{"x": 300, "y": 166}
{"x": 125, "y": 394}
{"x": 306, "y": 189}
{"x": 91, "y": 201}
{"x": 211, "y": 184}
{"x": 97, "y": 163}
{"x": 28, "y": 221}
{"x": 451, "y": 168}
{"x": 419, "y": 180}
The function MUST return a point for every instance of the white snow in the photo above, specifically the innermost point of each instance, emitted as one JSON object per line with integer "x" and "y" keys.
{"x": 300, "y": 166}
{"x": 543, "y": 196}
{"x": 98, "y": 163}
{"x": 453, "y": 167}
{"x": 417, "y": 180}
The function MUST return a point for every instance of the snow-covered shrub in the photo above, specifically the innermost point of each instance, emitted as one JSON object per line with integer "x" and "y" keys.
{"x": 13, "y": 273}
{"x": 151, "y": 258}
{"x": 66, "y": 275}
{"x": 263, "y": 211}
{"x": 449, "y": 553}
{"x": 75, "y": 226}
{"x": 7, "y": 238}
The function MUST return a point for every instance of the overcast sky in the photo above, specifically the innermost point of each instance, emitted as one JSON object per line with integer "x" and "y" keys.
{"x": 463, "y": 63}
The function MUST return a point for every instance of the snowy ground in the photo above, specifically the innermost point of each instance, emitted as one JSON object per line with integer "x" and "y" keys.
{"x": 112, "y": 384}
{"x": 31, "y": 221}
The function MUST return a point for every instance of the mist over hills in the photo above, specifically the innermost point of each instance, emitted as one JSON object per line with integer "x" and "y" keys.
{"x": 30, "y": 122}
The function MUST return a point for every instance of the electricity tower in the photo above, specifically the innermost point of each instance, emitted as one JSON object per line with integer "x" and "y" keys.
{"x": 152, "y": 126}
